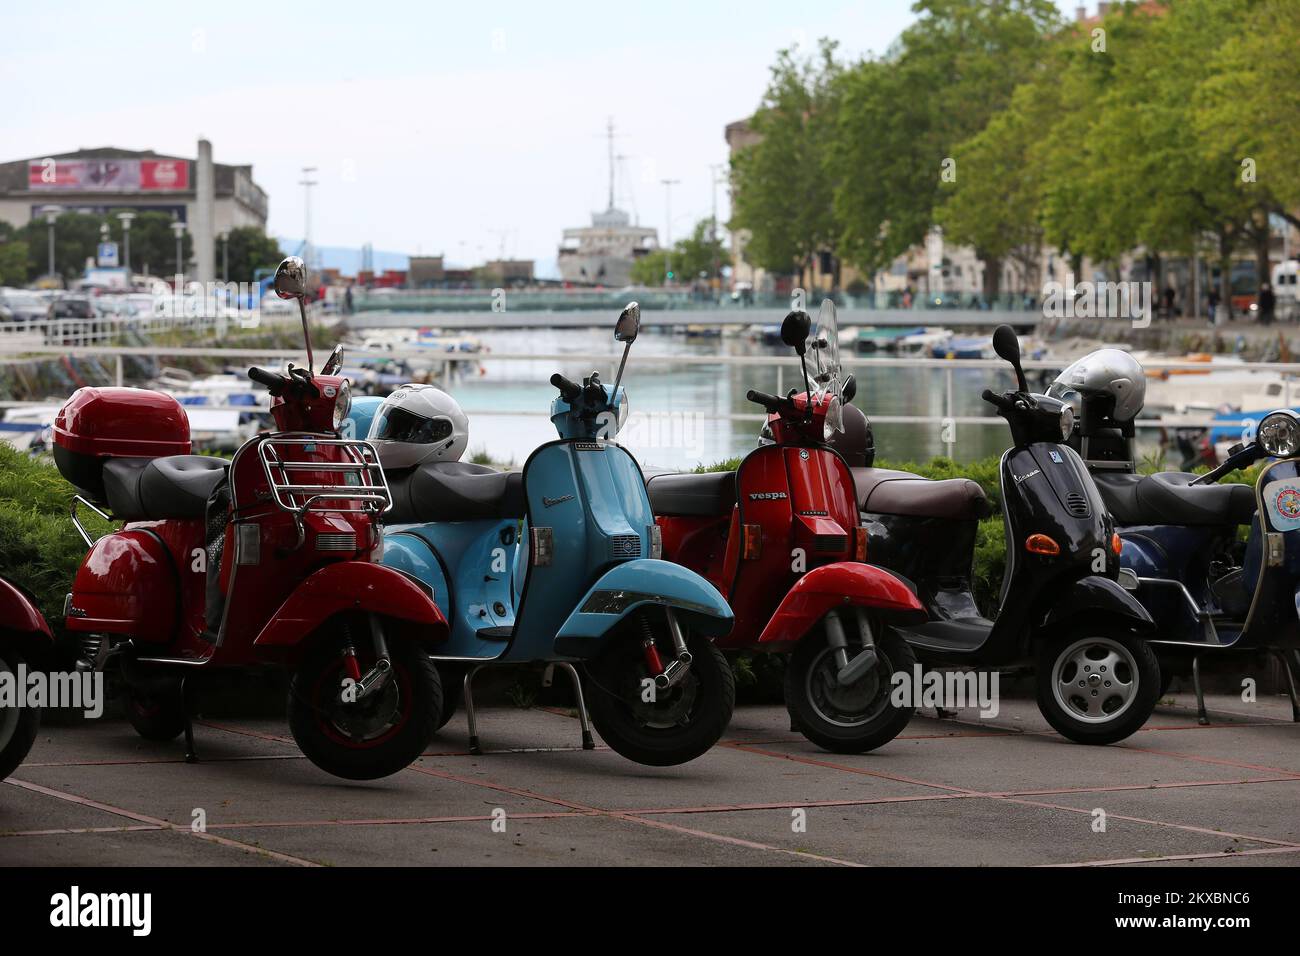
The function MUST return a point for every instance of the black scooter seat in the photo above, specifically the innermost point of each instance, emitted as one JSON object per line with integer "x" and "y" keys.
{"x": 454, "y": 491}
{"x": 888, "y": 492}
{"x": 160, "y": 489}
{"x": 708, "y": 495}
{"x": 1169, "y": 498}
{"x": 961, "y": 634}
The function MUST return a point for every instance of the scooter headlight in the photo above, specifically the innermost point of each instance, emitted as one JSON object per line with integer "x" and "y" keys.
{"x": 1067, "y": 422}
{"x": 342, "y": 405}
{"x": 1279, "y": 434}
{"x": 833, "y": 420}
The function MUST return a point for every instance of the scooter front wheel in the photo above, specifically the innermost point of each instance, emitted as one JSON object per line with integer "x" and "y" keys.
{"x": 18, "y": 725}
{"x": 1097, "y": 685}
{"x": 158, "y": 714}
{"x": 852, "y": 718}
{"x": 672, "y": 726}
{"x": 373, "y": 737}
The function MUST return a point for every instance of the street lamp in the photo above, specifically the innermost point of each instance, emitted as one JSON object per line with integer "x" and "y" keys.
{"x": 51, "y": 214}
{"x": 225, "y": 256}
{"x": 306, "y": 183}
{"x": 668, "y": 229}
{"x": 125, "y": 219}
{"x": 178, "y": 229}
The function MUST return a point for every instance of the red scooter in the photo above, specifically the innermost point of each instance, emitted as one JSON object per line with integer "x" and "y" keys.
{"x": 781, "y": 538}
{"x": 270, "y": 559}
{"x": 25, "y": 641}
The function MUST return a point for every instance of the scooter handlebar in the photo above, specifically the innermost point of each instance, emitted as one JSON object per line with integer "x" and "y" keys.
{"x": 272, "y": 380}
{"x": 568, "y": 390}
{"x": 770, "y": 402}
{"x": 1000, "y": 402}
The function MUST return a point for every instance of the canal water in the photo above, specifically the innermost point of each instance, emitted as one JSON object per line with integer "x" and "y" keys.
{"x": 678, "y": 411}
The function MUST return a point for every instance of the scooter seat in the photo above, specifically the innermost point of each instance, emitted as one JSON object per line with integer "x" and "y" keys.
{"x": 708, "y": 495}
{"x": 884, "y": 491}
{"x": 159, "y": 489}
{"x": 1169, "y": 497}
{"x": 455, "y": 491}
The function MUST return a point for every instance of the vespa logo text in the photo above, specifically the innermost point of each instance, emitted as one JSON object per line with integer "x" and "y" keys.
{"x": 547, "y": 502}
{"x": 1020, "y": 478}
{"x": 768, "y": 496}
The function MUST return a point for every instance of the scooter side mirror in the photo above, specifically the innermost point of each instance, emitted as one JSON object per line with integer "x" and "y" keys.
{"x": 795, "y": 329}
{"x": 849, "y": 389}
{"x": 291, "y": 278}
{"x": 1007, "y": 346}
{"x": 629, "y": 324}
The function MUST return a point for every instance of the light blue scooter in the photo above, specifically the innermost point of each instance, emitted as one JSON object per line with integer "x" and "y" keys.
{"x": 559, "y": 565}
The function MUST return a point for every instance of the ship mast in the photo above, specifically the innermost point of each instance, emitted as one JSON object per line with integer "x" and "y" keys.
{"x": 610, "y": 128}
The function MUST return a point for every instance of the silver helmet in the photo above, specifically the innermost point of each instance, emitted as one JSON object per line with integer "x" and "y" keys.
{"x": 1104, "y": 373}
{"x": 418, "y": 424}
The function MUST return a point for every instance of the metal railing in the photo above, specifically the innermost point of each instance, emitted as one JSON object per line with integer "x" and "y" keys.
{"x": 786, "y": 367}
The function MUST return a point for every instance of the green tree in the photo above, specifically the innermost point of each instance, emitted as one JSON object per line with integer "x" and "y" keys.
{"x": 249, "y": 249}
{"x": 782, "y": 184}
{"x": 153, "y": 244}
{"x": 903, "y": 116}
{"x": 702, "y": 252}
{"x": 13, "y": 262}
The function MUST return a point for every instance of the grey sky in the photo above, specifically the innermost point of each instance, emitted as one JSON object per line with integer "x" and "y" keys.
{"x": 461, "y": 128}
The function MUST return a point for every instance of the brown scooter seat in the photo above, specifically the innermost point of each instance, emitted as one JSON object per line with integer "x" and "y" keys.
{"x": 158, "y": 489}
{"x": 708, "y": 495}
{"x": 889, "y": 492}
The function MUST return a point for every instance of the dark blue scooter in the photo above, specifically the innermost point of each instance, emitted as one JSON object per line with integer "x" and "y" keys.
{"x": 1181, "y": 553}
{"x": 559, "y": 565}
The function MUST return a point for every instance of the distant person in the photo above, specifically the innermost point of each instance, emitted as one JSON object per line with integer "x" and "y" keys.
{"x": 347, "y": 300}
{"x": 1167, "y": 298}
{"x": 1267, "y": 304}
{"x": 1212, "y": 302}
{"x": 907, "y": 297}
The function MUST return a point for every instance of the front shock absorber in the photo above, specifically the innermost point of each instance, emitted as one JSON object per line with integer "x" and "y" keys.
{"x": 653, "y": 662}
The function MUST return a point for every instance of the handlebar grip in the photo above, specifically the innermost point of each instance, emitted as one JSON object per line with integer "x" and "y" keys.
{"x": 271, "y": 380}
{"x": 996, "y": 400}
{"x": 568, "y": 390}
{"x": 770, "y": 402}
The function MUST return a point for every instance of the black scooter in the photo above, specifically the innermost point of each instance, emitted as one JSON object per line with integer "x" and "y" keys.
{"x": 1061, "y": 609}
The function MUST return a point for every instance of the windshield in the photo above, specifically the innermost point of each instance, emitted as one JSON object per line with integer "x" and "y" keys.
{"x": 824, "y": 352}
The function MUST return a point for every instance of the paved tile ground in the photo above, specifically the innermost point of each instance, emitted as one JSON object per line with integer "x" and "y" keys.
{"x": 960, "y": 791}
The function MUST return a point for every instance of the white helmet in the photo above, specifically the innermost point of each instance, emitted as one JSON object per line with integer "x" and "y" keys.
{"x": 1109, "y": 373}
{"x": 418, "y": 424}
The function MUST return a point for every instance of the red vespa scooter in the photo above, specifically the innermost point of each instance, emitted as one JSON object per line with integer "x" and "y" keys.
{"x": 781, "y": 538}
{"x": 25, "y": 641}
{"x": 267, "y": 560}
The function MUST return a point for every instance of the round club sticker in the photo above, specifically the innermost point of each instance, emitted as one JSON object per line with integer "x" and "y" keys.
{"x": 1282, "y": 499}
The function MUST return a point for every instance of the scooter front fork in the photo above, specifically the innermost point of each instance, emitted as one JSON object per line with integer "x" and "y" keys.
{"x": 372, "y": 680}
{"x": 851, "y": 670}
{"x": 670, "y": 675}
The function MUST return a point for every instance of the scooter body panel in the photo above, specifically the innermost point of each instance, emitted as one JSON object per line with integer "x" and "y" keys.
{"x": 470, "y": 567}
{"x": 1271, "y": 568}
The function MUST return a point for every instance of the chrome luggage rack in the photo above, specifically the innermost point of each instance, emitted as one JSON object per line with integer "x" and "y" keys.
{"x": 370, "y": 493}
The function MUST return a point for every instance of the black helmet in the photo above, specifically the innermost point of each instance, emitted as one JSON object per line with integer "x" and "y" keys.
{"x": 856, "y": 442}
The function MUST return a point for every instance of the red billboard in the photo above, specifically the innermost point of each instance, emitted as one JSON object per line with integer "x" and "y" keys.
{"x": 109, "y": 175}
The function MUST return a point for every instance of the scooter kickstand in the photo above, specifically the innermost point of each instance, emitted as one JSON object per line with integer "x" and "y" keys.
{"x": 588, "y": 742}
{"x": 191, "y": 755}
{"x": 1290, "y": 686}
{"x": 1201, "y": 717}
{"x": 468, "y": 694}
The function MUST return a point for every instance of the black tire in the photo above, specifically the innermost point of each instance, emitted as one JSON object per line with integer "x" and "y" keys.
{"x": 377, "y": 736}
{"x": 156, "y": 715}
{"x": 866, "y": 718}
{"x": 18, "y": 725}
{"x": 1134, "y": 678}
{"x": 653, "y": 733}
{"x": 452, "y": 679}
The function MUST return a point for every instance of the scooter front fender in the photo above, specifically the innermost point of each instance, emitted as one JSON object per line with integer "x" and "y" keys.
{"x": 1093, "y": 595}
{"x": 837, "y": 585}
{"x": 633, "y": 584}
{"x": 353, "y": 586}
{"x": 22, "y": 623}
